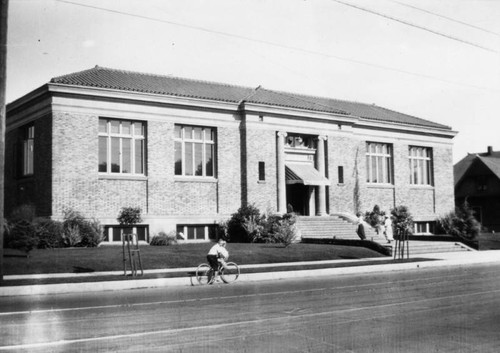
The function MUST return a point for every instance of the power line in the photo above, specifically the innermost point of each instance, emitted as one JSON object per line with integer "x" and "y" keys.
{"x": 415, "y": 26}
{"x": 279, "y": 45}
{"x": 447, "y": 18}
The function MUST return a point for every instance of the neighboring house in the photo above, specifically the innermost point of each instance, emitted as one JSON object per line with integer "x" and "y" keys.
{"x": 477, "y": 181}
{"x": 190, "y": 153}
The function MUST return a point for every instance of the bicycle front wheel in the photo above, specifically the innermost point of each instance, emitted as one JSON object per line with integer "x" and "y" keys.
{"x": 230, "y": 273}
{"x": 204, "y": 274}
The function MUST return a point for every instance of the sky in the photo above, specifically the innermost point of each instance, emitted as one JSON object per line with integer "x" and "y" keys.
{"x": 435, "y": 59}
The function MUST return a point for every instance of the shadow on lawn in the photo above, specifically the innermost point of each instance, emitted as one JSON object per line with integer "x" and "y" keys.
{"x": 78, "y": 269}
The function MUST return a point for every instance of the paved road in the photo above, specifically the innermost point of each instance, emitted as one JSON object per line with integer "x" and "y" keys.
{"x": 429, "y": 310}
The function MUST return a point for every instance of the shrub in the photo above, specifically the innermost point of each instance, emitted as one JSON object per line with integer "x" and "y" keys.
{"x": 279, "y": 229}
{"x": 72, "y": 236}
{"x": 253, "y": 228}
{"x": 78, "y": 231}
{"x": 236, "y": 224}
{"x": 49, "y": 233}
{"x": 402, "y": 220}
{"x": 164, "y": 239}
{"x": 21, "y": 235}
{"x": 248, "y": 225}
{"x": 129, "y": 215}
{"x": 91, "y": 232}
{"x": 282, "y": 230}
{"x": 460, "y": 223}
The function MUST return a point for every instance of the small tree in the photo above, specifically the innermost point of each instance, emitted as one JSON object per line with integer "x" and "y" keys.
{"x": 402, "y": 219}
{"x": 460, "y": 223}
{"x": 129, "y": 216}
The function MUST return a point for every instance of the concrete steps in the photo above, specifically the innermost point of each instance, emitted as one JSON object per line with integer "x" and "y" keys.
{"x": 418, "y": 247}
{"x": 338, "y": 227}
{"x": 333, "y": 227}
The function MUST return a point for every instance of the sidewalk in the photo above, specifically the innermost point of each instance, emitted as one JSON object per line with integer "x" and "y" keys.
{"x": 100, "y": 281}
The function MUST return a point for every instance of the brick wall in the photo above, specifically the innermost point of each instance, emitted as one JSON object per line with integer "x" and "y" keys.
{"x": 261, "y": 147}
{"x": 424, "y": 203}
{"x": 160, "y": 168}
{"x": 76, "y": 181}
{"x": 443, "y": 179}
{"x": 229, "y": 173}
{"x": 342, "y": 151}
{"x": 13, "y": 196}
{"x": 34, "y": 190}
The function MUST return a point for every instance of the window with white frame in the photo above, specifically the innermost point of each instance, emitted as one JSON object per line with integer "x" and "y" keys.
{"x": 28, "y": 142}
{"x": 420, "y": 159}
{"x": 194, "y": 151}
{"x": 114, "y": 233}
{"x": 121, "y": 146}
{"x": 197, "y": 231}
{"x": 424, "y": 228}
{"x": 379, "y": 163}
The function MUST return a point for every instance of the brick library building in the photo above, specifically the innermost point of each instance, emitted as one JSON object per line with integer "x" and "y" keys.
{"x": 189, "y": 153}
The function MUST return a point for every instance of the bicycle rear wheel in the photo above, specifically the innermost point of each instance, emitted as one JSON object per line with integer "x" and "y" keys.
{"x": 204, "y": 274}
{"x": 230, "y": 273}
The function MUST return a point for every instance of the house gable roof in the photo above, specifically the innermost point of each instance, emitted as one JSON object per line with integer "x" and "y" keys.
{"x": 107, "y": 78}
{"x": 491, "y": 160}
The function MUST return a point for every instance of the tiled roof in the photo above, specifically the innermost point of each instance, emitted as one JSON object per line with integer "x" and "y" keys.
{"x": 101, "y": 77}
{"x": 362, "y": 110}
{"x": 490, "y": 160}
{"x": 147, "y": 83}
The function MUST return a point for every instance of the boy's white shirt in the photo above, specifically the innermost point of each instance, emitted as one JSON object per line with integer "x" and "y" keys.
{"x": 217, "y": 249}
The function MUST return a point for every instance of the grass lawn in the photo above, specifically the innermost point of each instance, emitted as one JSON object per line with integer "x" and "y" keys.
{"x": 110, "y": 258}
{"x": 489, "y": 241}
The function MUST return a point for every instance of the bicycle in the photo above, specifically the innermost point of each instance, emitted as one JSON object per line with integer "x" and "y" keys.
{"x": 205, "y": 273}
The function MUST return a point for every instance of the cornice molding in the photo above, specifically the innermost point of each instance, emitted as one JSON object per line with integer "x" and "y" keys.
{"x": 128, "y": 96}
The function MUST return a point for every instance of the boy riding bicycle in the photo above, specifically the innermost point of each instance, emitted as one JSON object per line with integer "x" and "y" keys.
{"x": 218, "y": 254}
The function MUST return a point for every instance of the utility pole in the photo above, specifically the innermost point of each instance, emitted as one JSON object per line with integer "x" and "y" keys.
{"x": 4, "y": 8}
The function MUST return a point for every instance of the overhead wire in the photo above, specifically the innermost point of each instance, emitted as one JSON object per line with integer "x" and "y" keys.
{"x": 392, "y": 18}
{"x": 446, "y": 18}
{"x": 275, "y": 44}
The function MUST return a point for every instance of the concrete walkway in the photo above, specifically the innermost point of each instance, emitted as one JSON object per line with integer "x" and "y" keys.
{"x": 182, "y": 277}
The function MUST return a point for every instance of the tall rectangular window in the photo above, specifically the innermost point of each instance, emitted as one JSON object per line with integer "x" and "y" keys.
{"x": 420, "y": 161}
{"x": 28, "y": 146}
{"x": 379, "y": 163}
{"x": 341, "y": 174}
{"x": 262, "y": 171}
{"x": 121, "y": 146}
{"x": 194, "y": 151}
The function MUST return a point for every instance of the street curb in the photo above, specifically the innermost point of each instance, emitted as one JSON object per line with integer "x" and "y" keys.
{"x": 439, "y": 260}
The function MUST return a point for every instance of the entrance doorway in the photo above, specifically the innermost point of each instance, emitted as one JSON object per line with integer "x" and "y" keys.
{"x": 298, "y": 197}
